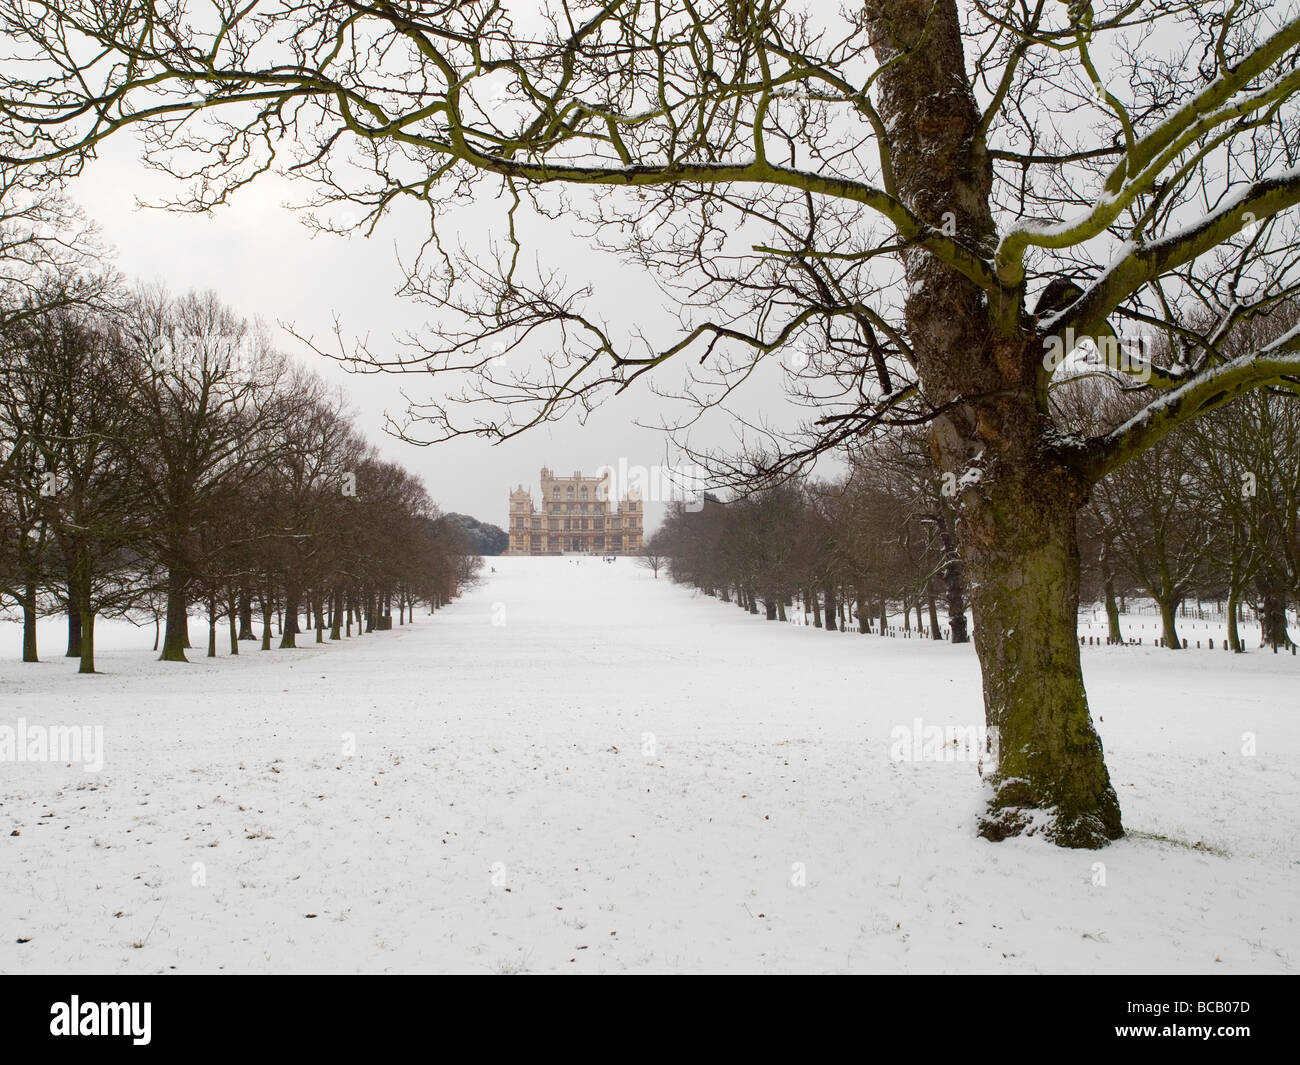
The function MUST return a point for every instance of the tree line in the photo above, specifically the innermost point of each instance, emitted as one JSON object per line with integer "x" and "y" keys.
{"x": 1209, "y": 512}
{"x": 839, "y": 554}
{"x": 161, "y": 457}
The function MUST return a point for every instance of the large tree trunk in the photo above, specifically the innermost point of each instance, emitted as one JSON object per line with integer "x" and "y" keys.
{"x": 176, "y": 632}
{"x": 266, "y": 624}
{"x": 28, "y": 602}
{"x": 1234, "y": 637}
{"x": 1169, "y": 621}
{"x": 212, "y": 627}
{"x": 1113, "y": 633}
{"x": 982, "y": 366}
{"x": 1022, "y": 551}
{"x": 74, "y": 627}
{"x": 953, "y": 581}
{"x": 246, "y": 615}
{"x": 829, "y": 603}
{"x": 289, "y": 627}
{"x": 336, "y": 614}
{"x": 80, "y": 585}
{"x": 87, "y": 638}
{"x": 1272, "y": 612}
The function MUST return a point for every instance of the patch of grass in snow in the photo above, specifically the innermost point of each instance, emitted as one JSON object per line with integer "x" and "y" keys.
{"x": 1203, "y": 848}
{"x": 514, "y": 966}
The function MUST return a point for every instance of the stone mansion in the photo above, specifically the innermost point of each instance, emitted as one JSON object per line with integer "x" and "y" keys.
{"x": 575, "y": 517}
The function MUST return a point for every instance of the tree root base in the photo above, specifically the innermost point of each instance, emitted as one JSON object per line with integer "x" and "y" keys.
{"x": 1090, "y": 830}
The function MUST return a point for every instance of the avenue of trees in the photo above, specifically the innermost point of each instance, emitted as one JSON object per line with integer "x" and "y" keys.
{"x": 1209, "y": 515}
{"x": 934, "y": 198}
{"x": 839, "y": 555}
{"x": 161, "y": 460}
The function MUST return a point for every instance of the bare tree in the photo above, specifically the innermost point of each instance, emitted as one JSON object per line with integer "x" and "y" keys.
{"x": 1247, "y": 461}
{"x": 1152, "y": 507}
{"x": 90, "y": 500}
{"x": 28, "y": 404}
{"x": 653, "y": 556}
{"x": 205, "y": 382}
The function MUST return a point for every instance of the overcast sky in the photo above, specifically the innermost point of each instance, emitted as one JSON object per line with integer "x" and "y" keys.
{"x": 260, "y": 258}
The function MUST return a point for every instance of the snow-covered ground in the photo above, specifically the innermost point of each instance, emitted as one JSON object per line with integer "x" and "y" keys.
{"x": 578, "y": 768}
{"x": 1146, "y": 626}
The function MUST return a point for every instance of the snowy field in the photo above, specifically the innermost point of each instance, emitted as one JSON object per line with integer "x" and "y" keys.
{"x": 578, "y": 768}
{"x": 1198, "y": 633}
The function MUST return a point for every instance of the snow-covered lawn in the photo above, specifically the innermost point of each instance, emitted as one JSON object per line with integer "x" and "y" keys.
{"x": 578, "y": 768}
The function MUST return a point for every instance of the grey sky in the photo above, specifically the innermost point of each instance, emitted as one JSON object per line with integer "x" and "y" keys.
{"x": 260, "y": 258}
